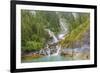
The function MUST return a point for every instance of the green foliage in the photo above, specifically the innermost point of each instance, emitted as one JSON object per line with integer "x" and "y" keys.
{"x": 33, "y": 45}
{"x": 78, "y": 28}
{"x": 33, "y": 25}
{"x": 33, "y": 35}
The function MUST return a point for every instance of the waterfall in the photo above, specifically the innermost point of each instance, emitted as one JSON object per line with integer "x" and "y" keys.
{"x": 48, "y": 50}
{"x": 55, "y": 40}
{"x": 42, "y": 51}
{"x": 75, "y": 15}
{"x": 57, "y": 52}
{"x": 62, "y": 25}
{"x": 52, "y": 35}
{"x": 45, "y": 51}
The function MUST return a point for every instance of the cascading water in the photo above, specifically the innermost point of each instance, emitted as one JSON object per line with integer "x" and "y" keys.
{"x": 58, "y": 51}
{"x": 48, "y": 50}
{"x": 55, "y": 39}
{"x": 52, "y": 35}
{"x": 75, "y": 15}
{"x": 62, "y": 25}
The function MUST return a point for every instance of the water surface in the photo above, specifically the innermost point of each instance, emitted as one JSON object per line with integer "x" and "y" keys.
{"x": 49, "y": 59}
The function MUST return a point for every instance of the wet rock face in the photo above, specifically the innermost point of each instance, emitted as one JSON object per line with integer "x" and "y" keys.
{"x": 82, "y": 55}
{"x": 77, "y": 53}
{"x": 84, "y": 41}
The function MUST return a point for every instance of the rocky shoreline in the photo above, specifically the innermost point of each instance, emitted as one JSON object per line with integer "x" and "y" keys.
{"x": 75, "y": 55}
